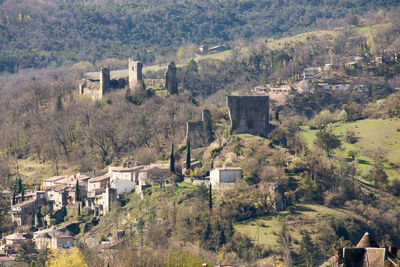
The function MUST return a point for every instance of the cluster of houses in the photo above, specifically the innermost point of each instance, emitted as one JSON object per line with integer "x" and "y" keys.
{"x": 315, "y": 73}
{"x": 95, "y": 195}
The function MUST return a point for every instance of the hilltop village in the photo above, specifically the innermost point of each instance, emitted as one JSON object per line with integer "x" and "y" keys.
{"x": 64, "y": 210}
{"x": 66, "y": 198}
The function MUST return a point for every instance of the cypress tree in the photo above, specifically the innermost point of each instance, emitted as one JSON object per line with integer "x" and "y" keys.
{"x": 172, "y": 159}
{"x": 22, "y": 194}
{"x": 210, "y": 204}
{"x": 13, "y": 198}
{"x": 59, "y": 104}
{"x": 188, "y": 154}
{"x": 77, "y": 198}
{"x": 20, "y": 186}
{"x": 79, "y": 209}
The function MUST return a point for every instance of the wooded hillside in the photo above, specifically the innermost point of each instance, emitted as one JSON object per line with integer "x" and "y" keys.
{"x": 35, "y": 33}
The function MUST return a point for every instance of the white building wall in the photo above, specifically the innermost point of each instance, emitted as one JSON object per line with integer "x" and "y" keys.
{"x": 123, "y": 186}
{"x": 116, "y": 175}
{"x": 224, "y": 176}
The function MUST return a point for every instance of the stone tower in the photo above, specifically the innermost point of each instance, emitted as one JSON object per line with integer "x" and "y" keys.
{"x": 249, "y": 114}
{"x": 171, "y": 79}
{"x": 135, "y": 74}
{"x": 104, "y": 81}
{"x": 200, "y": 132}
{"x": 206, "y": 117}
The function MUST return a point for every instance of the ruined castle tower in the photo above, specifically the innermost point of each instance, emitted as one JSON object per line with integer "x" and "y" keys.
{"x": 104, "y": 81}
{"x": 135, "y": 74}
{"x": 249, "y": 114}
{"x": 171, "y": 79}
{"x": 200, "y": 132}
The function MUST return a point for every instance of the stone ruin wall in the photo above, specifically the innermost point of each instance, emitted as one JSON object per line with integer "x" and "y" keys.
{"x": 155, "y": 83}
{"x": 249, "y": 114}
{"x": 135, "y": 75}
{"x": 97, "y": 87}
{"x": 171, "y": 79}
{"x": 200, "y": 132}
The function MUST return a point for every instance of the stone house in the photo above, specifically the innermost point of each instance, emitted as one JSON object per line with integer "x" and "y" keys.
{"x": 123, "y": 186}
{"x": 124, "y": 178}
{"x": 11, "y": 243}
{"x": 52, "y": 181}
{"x": 57, "y": 196}
{"x": 54, "y": 239}
{"x": 99, "y": 182}
{"x": 129, "y": 173}
{"x": 67, "y": 180}
{"x": 225, "y": 175}
{"x": 366, "y": 253}
{"x": 103, "y": 202}
{"x": 23, "y": 212}
{"x": 193, "y": 165}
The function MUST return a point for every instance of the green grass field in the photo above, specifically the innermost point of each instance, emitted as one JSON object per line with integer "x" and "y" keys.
{"x": 265, "y": 230}
{"x": 374, "y": 136}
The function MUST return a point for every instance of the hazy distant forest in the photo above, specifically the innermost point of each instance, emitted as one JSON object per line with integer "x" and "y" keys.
{"x": 33, "y": 33}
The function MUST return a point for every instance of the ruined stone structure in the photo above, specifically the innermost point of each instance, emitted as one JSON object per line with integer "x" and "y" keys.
{"x": 171, "y": 79}
{"x": 249, "y": 114}
{"x": 96, "y": 87}
{"x": 155, "y": 83}
{"x": 97, "y": 84}
{"x": 135, "y": 74}
{"x": 200, "y": 132}
{"x": 104, "y": 81}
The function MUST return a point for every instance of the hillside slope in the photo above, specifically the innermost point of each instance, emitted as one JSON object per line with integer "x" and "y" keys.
{"x": 36, "y": 33}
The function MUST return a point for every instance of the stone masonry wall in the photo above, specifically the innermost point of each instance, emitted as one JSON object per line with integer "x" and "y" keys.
{"x": 249, "y": 114}
{"x": 199, "y": 132}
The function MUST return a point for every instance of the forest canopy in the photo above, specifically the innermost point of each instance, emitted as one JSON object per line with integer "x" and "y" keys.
{"x": 37, "y": 33}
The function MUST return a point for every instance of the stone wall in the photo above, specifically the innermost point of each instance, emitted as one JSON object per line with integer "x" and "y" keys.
{"x": 154, "y": 83}
{"x": 171, "y": 79}
{"x": 96, "y": 87}
{"x": 200, "y": 132}
{"x": 249, "y": 114}
{"x": 104, "y": 81}
{"x": 135, "y": 74}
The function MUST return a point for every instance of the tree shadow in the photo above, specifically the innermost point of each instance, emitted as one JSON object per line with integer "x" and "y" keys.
{"x": 303, "y": 208}
{"x": 363, "y": 161}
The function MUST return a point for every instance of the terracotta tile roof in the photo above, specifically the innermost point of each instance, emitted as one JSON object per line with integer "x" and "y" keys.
{"x": 125, "y": 169}
{"x": 16, "y": 236}
{"x": 100, "y": 178}
{"x": 26, "y": 202}
{"x": 55, "y": 178}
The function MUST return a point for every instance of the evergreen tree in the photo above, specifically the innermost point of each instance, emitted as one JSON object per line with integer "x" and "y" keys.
{"x": 77, "y": 197}
{"x": 42, "y": 256}
{"x": 20, "y": 185}
{"x": 59, "y": 104}
{"x": 207, "y": 233}
{"x": 172, "y": 159}
{"x": 27, "y": 252}
{"x": 210, "y": 204}
{"x": 22, "y": 194}
{"x": 307, "y": 251}
{"x": 79, "y": 209}
{"x": 13, "y": 198}
{"x": 188, "y": 154}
